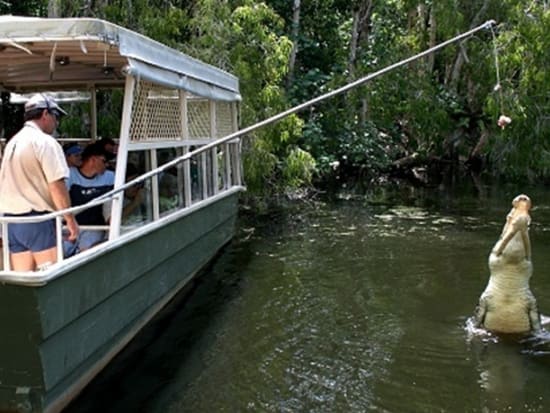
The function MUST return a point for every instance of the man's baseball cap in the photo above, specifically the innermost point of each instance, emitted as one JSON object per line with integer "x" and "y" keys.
{"x": 43, "y": 101}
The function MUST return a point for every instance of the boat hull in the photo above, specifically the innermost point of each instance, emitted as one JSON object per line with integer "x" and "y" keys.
{"x": 58, "y": 336}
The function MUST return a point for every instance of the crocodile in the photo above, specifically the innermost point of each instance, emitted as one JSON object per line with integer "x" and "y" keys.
{"x": 507, "y": 304}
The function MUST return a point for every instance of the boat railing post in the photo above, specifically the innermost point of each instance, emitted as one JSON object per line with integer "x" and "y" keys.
{"x": 5, "y": 249}
{"x": 155, "y": 185}
{"x": 187, "y": 180}
{"x": 204, "y": 175}
{"x": 227, "y": 166}
{"x": 214, "y": 151}
{"x": 186, "y": 165}
{"x": 236, "y": 164}
{"x": 93, "y": 112}
{"x": 59, "y": 237}
{"x": 122, "y": 157}
{"x": 180, "y": 149}
{"x": 235, "y": 146}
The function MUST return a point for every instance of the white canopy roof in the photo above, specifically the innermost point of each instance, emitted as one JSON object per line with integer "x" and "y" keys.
{"x": 55, "y": 54}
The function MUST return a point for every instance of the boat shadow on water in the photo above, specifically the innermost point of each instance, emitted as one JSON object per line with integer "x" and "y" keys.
{"x": 147, "y": 373}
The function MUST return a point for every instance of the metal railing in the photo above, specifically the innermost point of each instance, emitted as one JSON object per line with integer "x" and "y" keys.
{"x": 109, "y": 196}
{"x": 231, "y": 168}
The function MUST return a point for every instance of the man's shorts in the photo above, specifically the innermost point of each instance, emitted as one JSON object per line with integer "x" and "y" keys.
{"x": 31, "y": 236}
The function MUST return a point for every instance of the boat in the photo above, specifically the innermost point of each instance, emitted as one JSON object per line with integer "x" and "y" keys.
{"x": 63, "y": 324}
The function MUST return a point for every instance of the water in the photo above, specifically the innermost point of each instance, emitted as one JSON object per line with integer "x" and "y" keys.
{"x": 350, "y": 306}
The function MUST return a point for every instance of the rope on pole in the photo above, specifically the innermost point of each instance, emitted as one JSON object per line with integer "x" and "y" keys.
{"x": 503, "y": 120}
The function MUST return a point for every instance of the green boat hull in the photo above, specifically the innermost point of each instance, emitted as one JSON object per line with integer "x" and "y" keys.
{"x": 57, "y": 337}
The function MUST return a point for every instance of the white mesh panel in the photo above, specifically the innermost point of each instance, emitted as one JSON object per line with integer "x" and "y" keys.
{"x": 155, "y": 114}
{"x": 224, "y": 119}
{"x": 198, "y": 112}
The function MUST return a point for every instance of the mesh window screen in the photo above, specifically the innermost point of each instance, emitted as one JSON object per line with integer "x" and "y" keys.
{"x": 155, "y": 114}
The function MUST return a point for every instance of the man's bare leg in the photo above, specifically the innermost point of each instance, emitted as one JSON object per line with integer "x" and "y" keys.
{"x": 22, "y": 261}
{"x": 29, "y": 261}
{"x": 45, "y": 257}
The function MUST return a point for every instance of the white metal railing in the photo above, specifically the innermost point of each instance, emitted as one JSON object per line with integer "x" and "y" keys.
{"x": 230, "y": 138}
{"x": 231, "y": 169}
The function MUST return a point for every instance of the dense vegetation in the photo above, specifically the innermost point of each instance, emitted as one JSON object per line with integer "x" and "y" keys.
{"x": 418, "y": 120}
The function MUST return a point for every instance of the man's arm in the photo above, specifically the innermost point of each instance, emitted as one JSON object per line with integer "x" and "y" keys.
{"x": 61, "y": 200}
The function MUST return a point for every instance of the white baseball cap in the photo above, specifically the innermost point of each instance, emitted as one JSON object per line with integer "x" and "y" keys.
{"x": 42, "y": 101}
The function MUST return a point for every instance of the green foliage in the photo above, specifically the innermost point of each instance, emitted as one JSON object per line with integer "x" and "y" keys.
{"x": 259, "y": 57}
{"x": 433, "y": 106}
{"x": 260, "y": 165}
{"x": 210, "y": 30}
{"x": 523, "y": 148}
{"x": 110, "y": 113}
{"x": 24, "y": 8}
{"x": 77, "y": 123}
{"x": 298, "y": 168}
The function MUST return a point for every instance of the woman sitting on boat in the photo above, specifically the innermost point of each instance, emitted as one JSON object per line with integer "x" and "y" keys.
{"x": 132, "y": 211}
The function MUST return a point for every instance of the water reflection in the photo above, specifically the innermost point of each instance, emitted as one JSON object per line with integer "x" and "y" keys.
{"x": 349, "y": 306}
{"x": 507, "y": 366}
{"x": 502, "y": 375}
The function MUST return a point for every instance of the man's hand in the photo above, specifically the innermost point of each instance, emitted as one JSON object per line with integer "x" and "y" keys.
{"x": 73, "y": 228}
{"x": 61, "y": 199}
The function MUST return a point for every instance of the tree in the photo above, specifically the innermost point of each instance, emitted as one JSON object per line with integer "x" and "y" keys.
{"x": 295, "y": 42}
{"x": 437, "y": 110}
{"x": 54, "y": 8}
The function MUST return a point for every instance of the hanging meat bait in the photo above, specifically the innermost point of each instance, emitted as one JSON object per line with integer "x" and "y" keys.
{"x": 503, "y": 120}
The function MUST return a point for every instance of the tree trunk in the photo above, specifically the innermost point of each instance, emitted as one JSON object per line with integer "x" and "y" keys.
{"x": 461, "y": 57}
{"x": 294, "y": 51}
{"x": 359, "y": 33}
{"x": 86, "y": 9}
{"x": 54, "y": 8}
{"x": 432, "y": 29}
{"x": 352, "y": 58}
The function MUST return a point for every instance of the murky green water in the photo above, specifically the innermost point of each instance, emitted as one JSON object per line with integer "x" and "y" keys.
{"x": 350, "y": 306}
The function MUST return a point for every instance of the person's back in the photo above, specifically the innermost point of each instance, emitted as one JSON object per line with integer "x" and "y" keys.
{"x": 31, "y": 154}
{"x": 32, "y": 183}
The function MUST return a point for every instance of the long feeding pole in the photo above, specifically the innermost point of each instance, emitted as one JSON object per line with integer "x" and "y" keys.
{"x": 487, "y": 25}
{"x": 101, "y": 199}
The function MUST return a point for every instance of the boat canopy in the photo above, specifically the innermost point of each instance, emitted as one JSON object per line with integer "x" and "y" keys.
{"x": 56, "y": 54}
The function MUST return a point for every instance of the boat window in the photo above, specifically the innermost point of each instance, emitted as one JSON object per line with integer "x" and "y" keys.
{"x": 170, "y": 182}
{"x": 138, "y": 199}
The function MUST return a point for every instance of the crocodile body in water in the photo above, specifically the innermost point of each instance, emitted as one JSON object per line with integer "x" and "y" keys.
{"x": 507, "y": 305}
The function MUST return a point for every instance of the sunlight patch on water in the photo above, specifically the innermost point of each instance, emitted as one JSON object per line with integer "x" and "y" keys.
{"x": 444, "y": 220}
{"x": 410, "y": 212}
{"x": 397, "y": 222}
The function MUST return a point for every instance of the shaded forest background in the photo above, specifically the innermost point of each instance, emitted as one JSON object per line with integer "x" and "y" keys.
{"x": 421, "y": 121}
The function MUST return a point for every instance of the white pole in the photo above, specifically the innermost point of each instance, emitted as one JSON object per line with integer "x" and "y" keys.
{"x": 281, "y": 115}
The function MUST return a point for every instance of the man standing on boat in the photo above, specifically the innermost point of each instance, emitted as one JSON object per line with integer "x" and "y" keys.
{"x": 32, "y": 182}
